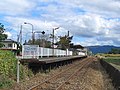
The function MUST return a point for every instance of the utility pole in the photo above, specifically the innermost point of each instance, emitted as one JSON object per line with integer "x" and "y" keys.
{"x": 18, "y": 62}
{"x": 68, "y": 33}
{"x": 53, "y": 40}
{"x": 42, "y": 34}
{"x": 20, "y": 35}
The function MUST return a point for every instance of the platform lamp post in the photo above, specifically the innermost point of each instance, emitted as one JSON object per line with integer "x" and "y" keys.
{"x": 32, "y": 31}
{"x": 53, "y": 39}
{"x": 43, "y": 32}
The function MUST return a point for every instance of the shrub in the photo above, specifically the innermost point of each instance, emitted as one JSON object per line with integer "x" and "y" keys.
{"x": 8, "y": 69}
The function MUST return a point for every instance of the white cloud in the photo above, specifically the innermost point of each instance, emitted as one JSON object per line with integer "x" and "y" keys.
{"x": 103, "y": 7}
{"x": 97, "y": 21}
{"x": 92, "y": 42}
{"x": 15, "y": 7}
{"x": 8, "y": 34}
{"x": 38, "y": 25}
{"x": 88, "y": 25}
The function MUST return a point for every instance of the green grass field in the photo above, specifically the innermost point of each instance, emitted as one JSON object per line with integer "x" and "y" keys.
{"x": 111, "y": 55}
{"x": 113, "y": 59}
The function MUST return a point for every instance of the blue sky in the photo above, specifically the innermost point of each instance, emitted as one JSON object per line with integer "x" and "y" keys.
{"x": 95, "y": 22}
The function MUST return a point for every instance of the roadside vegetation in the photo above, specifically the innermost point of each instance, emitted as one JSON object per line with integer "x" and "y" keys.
{"x": 8, "y": 70}
{"x": 115, "y": 51}
{"x": 113, "y": 59}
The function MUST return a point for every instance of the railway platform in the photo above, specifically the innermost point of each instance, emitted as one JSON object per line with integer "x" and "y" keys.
{"x": 48, "y": 60}
{"x": 48, "y": 63}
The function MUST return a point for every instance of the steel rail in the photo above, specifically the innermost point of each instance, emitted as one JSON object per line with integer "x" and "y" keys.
{"x": 37, "y": 85}
{"x": 83, "y": 65}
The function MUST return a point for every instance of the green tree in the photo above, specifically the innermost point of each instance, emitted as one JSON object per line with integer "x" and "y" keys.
{"x": 115, "y": 51}
{"x": 64, "y": 42}
{"x": 2, "y": 35}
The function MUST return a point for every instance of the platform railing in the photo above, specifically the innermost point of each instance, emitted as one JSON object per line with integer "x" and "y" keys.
{"x": 57, "y": 52}
{"x": 34, "y": 51}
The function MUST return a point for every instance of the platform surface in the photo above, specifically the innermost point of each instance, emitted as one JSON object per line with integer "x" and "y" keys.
{"x": 47, "y": 60}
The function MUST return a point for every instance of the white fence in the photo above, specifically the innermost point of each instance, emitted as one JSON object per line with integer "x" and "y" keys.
{"x": 34, "y": 51}
{"x": 57, "y": 52}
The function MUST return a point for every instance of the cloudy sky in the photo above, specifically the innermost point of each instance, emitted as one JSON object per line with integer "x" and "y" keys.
{"x": 90, "y": 22}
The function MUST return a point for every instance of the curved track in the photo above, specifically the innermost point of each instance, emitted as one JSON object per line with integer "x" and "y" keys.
{"x": 57, "y": 81}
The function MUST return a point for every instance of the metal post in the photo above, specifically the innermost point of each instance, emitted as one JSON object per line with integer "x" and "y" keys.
{"x": 18, "y": 71}
{"x": 32, "y": 31}
{"x": 53, "y": 40}
{"x": 18, "y": 66}
{"x": 39, "y": 38}
{"x": 41, "y": 50}
{"x": 21, "y": 34}
{"x": 53, "y": 44}
{"x": 32, "y": 35}
{"x": 68, "y": 33}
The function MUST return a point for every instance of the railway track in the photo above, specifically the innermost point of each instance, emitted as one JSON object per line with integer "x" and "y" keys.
{"x": 57, "y": 81}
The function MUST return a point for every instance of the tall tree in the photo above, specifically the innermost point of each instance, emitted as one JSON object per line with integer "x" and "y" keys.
{"x": 64, "y": 42}
{"x": 2, "y": 35}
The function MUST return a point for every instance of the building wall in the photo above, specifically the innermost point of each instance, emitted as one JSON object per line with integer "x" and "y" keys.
{"x": 82, "y": 51}
{"x": 14, "y": 46}
{"x": 9, "y": 45}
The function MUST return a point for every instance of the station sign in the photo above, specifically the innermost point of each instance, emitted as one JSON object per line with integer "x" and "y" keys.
{"x": 30, "y": 51}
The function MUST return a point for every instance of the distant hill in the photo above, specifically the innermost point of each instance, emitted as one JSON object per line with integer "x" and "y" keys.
{"x": 101, "y": 49}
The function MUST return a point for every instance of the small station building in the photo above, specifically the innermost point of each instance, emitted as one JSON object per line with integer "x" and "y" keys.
{"x": 10, "y": 45}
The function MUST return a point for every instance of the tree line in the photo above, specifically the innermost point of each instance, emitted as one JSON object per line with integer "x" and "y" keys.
{"x": 115, "y": 51}
{"x": 44, "y": 41}
{"x": 2, "y": 35}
